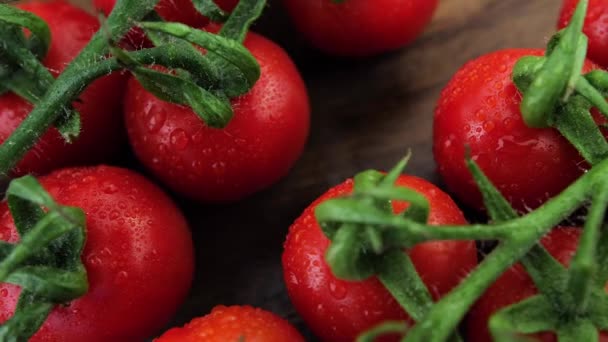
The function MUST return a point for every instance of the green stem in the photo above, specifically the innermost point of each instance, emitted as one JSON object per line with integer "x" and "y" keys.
{"x": 526, "y": 231}
{"x": 583, "y": 265}
{"x": 398, "y": 275}
{"x": 437, "y": 326}
{"x": 84, "y": 69}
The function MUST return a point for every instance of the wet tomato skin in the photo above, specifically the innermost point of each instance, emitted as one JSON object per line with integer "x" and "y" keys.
{"x": 479, "y": 108}
{"x": 138, "y": 255}
{"x": 338, "y": 310}
{"x": 260, "y": 144}
{"x": 99, "y": 104}
{"x": 516, "y": 285}
{"x": 360, "y": 27}
{"x": 233, "y": 323}
{"x": 596, "y": 27}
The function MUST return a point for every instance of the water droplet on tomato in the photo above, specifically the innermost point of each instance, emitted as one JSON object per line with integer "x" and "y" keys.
{"x": 179, "y": 139}
{"x": 197, "y": 137}
{"x": 508, "y": 122}
{"x": 198, "y": 166}
{"x": 93, "y": 260}
{"x": 4, "y": 293}
{"x": 109, "y": 188}
{"x": 121, "y": 277}
{"x": 155, "y": 120}
{"x": 337, "y": 290}
{"x": 488, "y": 126}
{"x": 114, "y": 215}
{"x": 88, "y": 179}
{"x": 219, "y": 168}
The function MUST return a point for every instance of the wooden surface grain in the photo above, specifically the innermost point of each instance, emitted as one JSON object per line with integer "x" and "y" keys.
{"x": 366, "y": 113}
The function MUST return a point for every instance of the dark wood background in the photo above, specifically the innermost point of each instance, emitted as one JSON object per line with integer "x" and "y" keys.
{"x": 366, "y": 113}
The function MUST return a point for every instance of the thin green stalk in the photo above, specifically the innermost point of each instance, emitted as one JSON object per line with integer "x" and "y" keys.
{"x": 70, "y": 82}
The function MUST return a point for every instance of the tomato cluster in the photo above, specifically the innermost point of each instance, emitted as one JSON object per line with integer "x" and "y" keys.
{"x": 132, "y": 226}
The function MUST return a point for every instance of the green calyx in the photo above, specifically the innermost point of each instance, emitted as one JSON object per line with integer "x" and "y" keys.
{"x": 46, "y": 263}
{"x": 369, "y": 239}
{"x": 25, "y": 75}
{"x": 556, "y": 94}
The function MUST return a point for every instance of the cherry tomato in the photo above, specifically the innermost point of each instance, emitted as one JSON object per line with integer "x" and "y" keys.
{"x": 264, "y": 139}
{"x": 234, "y": 323}
{"x": 99, "y": 105}
{"x": 479, "y": 108}
{"x": 338, "y": 310}
{"x": 516, "y": 285}
{"x": 360, "y": 27}
{"x": 596, "y": 27}
{"x": 173, "y": 10}
{"x": 138, "y": 256}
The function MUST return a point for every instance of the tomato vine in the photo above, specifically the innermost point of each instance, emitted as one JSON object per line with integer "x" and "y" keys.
{"x": 367, "y": 238}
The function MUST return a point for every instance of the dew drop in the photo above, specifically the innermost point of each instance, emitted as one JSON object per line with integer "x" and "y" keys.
{"x": 121, "y": 277}
{"x": 197, "y": 137}
{"x": 109, "y": 188}
{"x": 337, "y": 290}
{"x": 4, "y": 293}
{"x": 156, "y": 120}
{"x": 162, "y": 150}
{"x": 179, "y": 139}
{"x": 93, "y": 260}
{"x": 488, "y": 126}
{"x": 114, "y": 215}
{"x": 219, "y": 168}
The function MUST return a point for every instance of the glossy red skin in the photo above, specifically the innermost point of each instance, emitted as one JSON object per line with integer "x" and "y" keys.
{"x": 360, "y": 27}
{"x": 338, "y": 310}
{"x": 260, "y": 144}
{"x": 516, "y": 285}
{"x": 138, "y": 256}
{"x": 234, "y": 323}
{"x": 100, "y": 105}
{"x": 479, "y": 108}
{"x": 181, "y": 11}
{"x": 596, "y": 27}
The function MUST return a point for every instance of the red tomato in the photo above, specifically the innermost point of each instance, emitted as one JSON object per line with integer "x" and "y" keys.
{"x": 516, "y": 285}
{"x": 234, "y": 323}
{"x": 360, "y": 27}
{"x": 338, "y": 310}
{"x": 479, "y": 108}
{"x": 138, "y": 256}
{"x": 596, "y": 27}
{"x": 261, "y": 143}
{"x": 173, "y": 10}
{"x": 100, "y": 105}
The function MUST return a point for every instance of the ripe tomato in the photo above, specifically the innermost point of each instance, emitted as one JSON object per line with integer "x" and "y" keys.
{"x": 261, "y": 143}
{"x": 138, "y": 256}
{"x": 360, "y": 27}
{"x": 99, "y": 105}
{"x": 516, "y": 285}
{"x": 479, "y": 108}
{"x": 338, "y": 310}
{"x": 173, "y": 10}
{"x": 234, "y": 323}
{"x": 596, "y": 27}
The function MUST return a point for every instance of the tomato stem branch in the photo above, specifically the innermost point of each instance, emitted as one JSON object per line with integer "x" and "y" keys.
{"x": 77, "y": 75}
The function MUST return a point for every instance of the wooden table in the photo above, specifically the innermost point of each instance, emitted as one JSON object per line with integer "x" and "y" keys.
{"x": 366, "y": 114}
